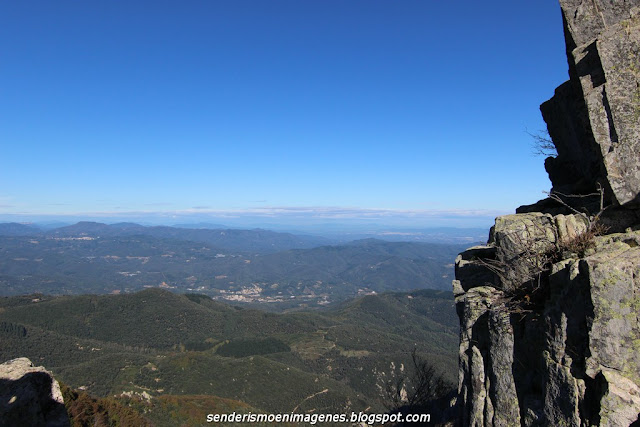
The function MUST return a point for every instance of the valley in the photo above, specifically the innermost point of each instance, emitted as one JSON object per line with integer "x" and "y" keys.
{"x": 144, "y": 347}
{"x": 150, "y": 321}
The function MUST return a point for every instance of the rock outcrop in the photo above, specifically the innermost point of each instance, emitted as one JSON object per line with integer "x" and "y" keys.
{"x": 594, "y": 118}
{"x": 30, "y": 396}
{"x": 563, "y": 348}
{"x": 550, "y": 307}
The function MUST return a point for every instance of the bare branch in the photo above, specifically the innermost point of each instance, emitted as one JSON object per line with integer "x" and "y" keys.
{"x": 543, "y": 144}
{"x": 556, "y": 196}
{"x": 591, "y": 219}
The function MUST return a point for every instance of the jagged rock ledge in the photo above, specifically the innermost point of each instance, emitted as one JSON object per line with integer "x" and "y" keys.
{"x": 567, "y": 352}
{"x": 30, "y": 396}
{"x": 594, "y": 117}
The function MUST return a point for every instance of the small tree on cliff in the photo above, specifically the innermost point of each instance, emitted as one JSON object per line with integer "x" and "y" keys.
{"x": 419, "y": 392}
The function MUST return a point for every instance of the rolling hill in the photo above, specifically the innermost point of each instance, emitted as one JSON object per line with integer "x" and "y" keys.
{"x": 165, "y": 344}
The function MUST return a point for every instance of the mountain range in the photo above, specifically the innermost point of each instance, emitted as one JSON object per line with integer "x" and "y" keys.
{"x": 250, "y": 266}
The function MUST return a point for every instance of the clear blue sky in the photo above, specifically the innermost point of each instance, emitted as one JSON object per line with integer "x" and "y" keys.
{"x": 420, "y": 107}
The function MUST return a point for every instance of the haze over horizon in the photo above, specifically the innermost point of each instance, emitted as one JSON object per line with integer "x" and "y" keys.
{"x": 411, "y": 113}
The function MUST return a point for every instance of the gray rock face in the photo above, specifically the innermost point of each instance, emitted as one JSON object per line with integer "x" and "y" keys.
{"x": 594, "y": 118}
{"x": 486, "y": 352}
{"x": 571, "y": 359}
{"x": 587, "y": 19}
{"x": 30, "y": 396}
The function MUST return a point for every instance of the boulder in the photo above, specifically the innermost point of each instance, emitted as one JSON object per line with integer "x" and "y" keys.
{"x": 30, "y": 396}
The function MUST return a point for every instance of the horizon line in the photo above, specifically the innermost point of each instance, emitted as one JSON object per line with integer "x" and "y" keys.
{"x": 328, "y": 212}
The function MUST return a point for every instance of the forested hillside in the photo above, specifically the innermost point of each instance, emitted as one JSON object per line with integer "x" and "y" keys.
{"x": 165, "y": 344}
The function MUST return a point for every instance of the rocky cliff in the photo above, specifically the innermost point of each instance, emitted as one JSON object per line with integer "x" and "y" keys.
{"x": 550, "y": 307}
{"x": 30, "y": 396}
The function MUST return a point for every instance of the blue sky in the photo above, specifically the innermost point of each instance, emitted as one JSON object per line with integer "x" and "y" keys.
{"x": 418, "y": 109}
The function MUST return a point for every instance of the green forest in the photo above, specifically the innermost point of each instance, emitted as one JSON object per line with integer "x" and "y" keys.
{"x": 160, "y": 354}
